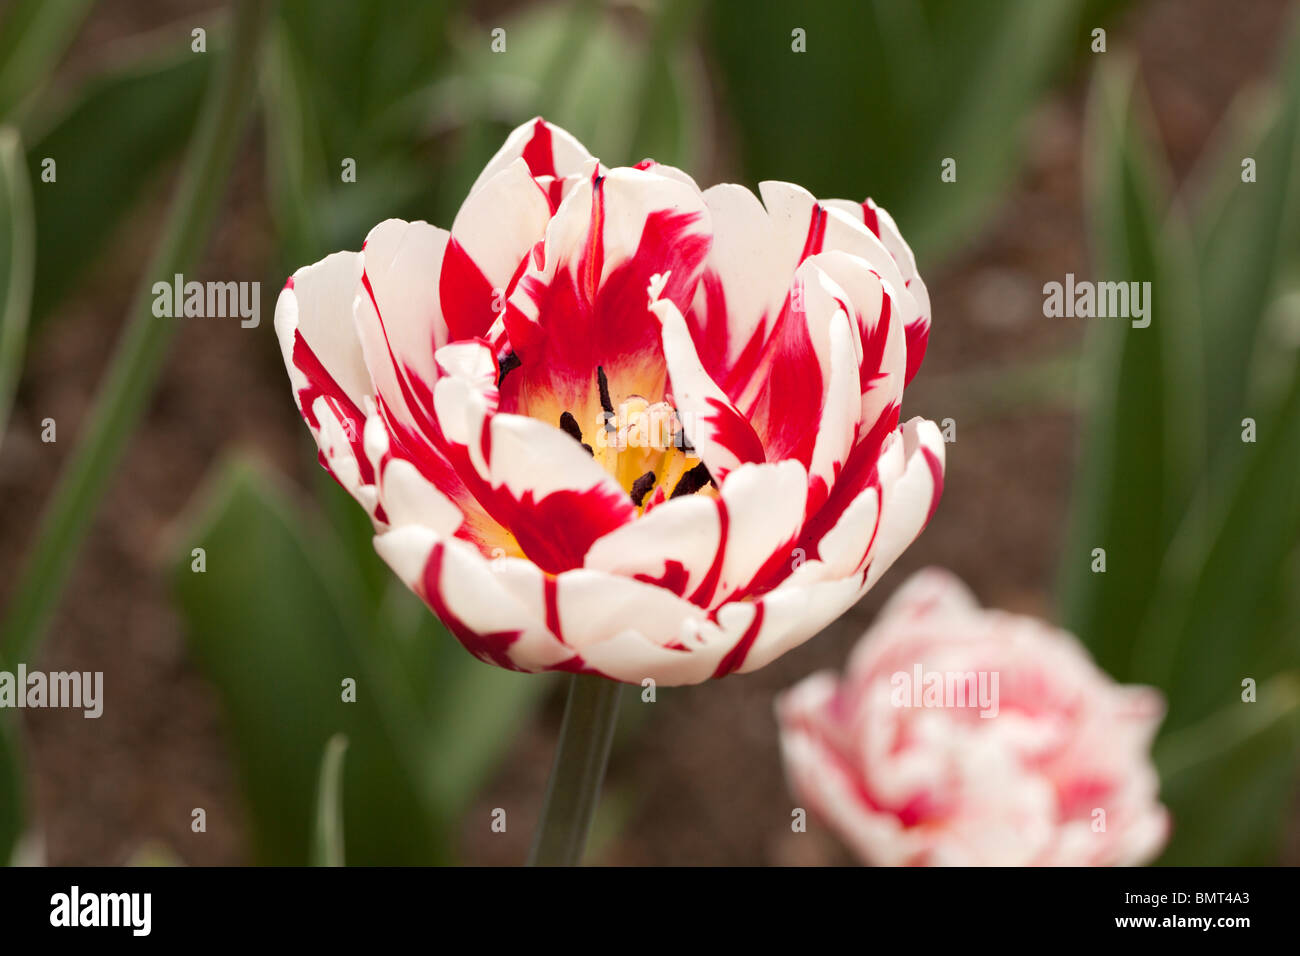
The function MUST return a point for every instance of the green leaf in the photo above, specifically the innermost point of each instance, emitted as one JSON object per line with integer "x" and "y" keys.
{"x": 12, "y": 800}
{"x": 1215, "y": 617}
{"x": 35, "y": 33}
{"x": 327, "y": 846}
{"x": 478, "y": 711}
{"x": 296, "y": 161}
{"x": 278, "y": 624}
{"x": 885, "y": 92}
{"x": 1140, "y": 439}
{"x": 138, "y": 118}
{"x": 142, "y": 347}
{"x": 357, "y": 60}
{"x": 1248, "y": 234}
{"x": 15, "y": 266}
{"x": 1229, "y": 780}
{"x": 575, "y": 65}
{"x": 336, "y": 83}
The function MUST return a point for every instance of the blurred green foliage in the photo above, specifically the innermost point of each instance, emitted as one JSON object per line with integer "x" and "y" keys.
{"x": 16, "y": 266}
{"x": 1187, "y": 476}
{"x": 887, "y": 91}
{"x": 279, "y": 621}
{"x": 140, "y": 116}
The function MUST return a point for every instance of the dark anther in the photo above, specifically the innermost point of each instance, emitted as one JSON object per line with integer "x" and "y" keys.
{"x": 605, "y": 402}
{"x": 692, "y": 481}
{"x": 641, "y": 487}
{"x": 588, "y": 449}
{"x": 570, "y": 426}
{"x": 507, "y": 364}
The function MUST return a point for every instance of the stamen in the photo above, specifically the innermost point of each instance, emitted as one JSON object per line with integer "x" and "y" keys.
{"x": 641, "y": 487}
{"x": 507, "y": 365}
{"x": 692, "y": 481}
{"x": 605, "y": 401}
{"x": 570, "y": 426}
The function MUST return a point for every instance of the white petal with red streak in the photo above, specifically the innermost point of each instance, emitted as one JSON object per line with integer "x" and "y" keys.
{"x": 765, "y": 510}
{"x": 841, "y": 403}
{"x": 893, "y": 240}
{"x": 721, "y": 435}
{"x": 499, "y": 223}
{"x": 334, "y": 438}
{"x": 318, "y": 307}
{"x": 909, "y": 499}
{"x": 752, "y": 267}
{"x": 473, "y": 592}
{"x": 792, "y": 206}
{"x": 409, "y": 499}
{"x": 629, "y": 631}
{"x": 685, "y": 530}
{"x": 883, "y": 377}
{"x": 567, "y": 154}
{"x": 791, "y": 615}
{"x": 399, "y": 319}
{"x": 630, "y": 196}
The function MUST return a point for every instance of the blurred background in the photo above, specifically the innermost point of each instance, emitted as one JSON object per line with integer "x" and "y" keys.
{"x": 220, "y": 155}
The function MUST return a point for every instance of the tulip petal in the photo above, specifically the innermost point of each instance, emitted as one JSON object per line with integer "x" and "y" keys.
{"x": 398, "y": 318}
{"x": 325, "y": 363}
{"x": 882, "y": 225}
{"x": 459, "y": 585}
{"x": 547, "y": 149}
{"x": 490, "y": 239}
{"x": 908, "y": 503}
{"x": 720, "y": 434}
{"x": 582, "y": 305}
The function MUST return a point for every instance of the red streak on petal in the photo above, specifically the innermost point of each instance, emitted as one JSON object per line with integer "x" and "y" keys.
{"x": 918, "y": 335}
{"x": 420, "y": 411}
{"x": 816, "y": 232}
{"x": 735, "y": 658}
{"x": 556, "y": 530}
{"x": 493, "y": 647}
{"x": 674, "y": 578}
{"x": 465, "y": 294}
{"x": 321, "y": 382}
{"x": 870, "y": 219}
{"x": 873, "y": 345}
{"x": 734, "y": 433}
{"x": 592, "y": 262}
{"x": 858, "y": 474}
{"x": 551, "y": 590}
{"x": 538, "y": 153}
{"x": 703, "y": 594}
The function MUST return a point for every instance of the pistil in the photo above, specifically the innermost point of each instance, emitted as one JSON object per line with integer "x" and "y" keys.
{"x": 643, "y": 446}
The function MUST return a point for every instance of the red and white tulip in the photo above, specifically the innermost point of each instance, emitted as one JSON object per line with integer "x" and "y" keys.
{"x": 1054, "y": 770}
{"x": 610, "y": 423}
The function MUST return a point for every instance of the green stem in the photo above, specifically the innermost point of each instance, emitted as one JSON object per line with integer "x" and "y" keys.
{"x": 143, "y": 347}
{"x": 574, "y": 788}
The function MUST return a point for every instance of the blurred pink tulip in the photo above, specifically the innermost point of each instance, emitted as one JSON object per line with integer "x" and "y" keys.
{"x": 964, "y": 736}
